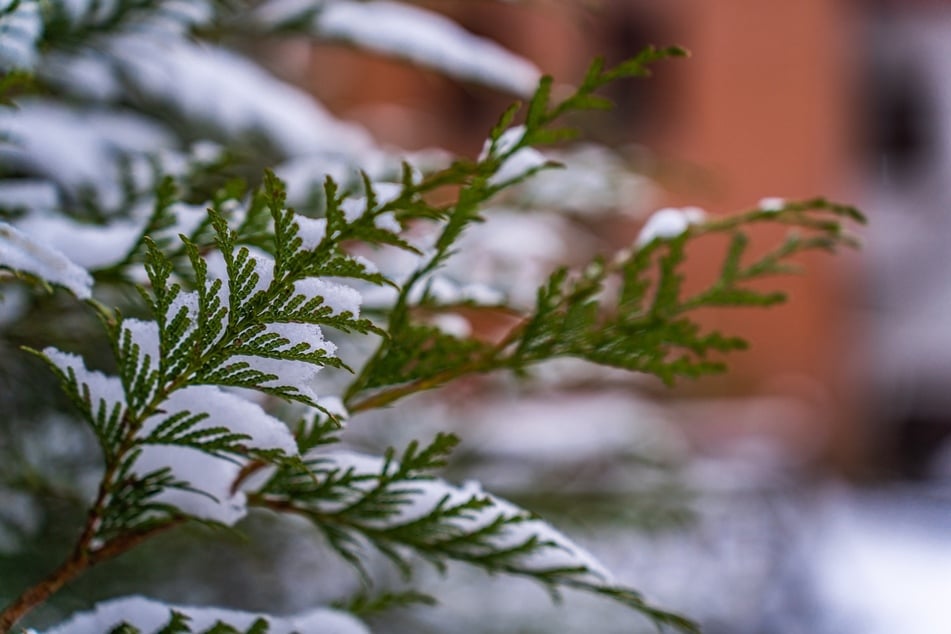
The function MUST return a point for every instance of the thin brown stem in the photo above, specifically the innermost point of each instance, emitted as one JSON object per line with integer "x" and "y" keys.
{"x": 80, "y": 560}
{"x": 387, "y": 396}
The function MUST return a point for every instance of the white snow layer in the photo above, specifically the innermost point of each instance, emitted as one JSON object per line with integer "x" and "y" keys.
{"x": 219, "y": 88}
{"x": 19, "y": 31}
{"x": 559, "y": 552}
{"x": 104, "y": 391}
{"x": 150, "y": 616}
{"x": 161, "y": 15}
{"x": 669, "y": 222}
{"x": 514, "y": 251}
{"x": 20, "y": 252}
{"x": 339, "y": 297}
{"x": 226, "y": 410}
{"x": 77, "y": 148}
{"x": 771, "y": 203}
{"x": 877, "y": 567}
{"x": 298, "y": 374}
{"x": 310, "y": 230}
{"x": 90, "y": 246}
{"x": 416, "y": 35}
{"x": 28, "y": 194}
{"x": 210, "y": 479}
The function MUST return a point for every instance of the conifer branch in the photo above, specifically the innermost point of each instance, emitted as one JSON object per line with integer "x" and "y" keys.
{"x": 243, "y": 297}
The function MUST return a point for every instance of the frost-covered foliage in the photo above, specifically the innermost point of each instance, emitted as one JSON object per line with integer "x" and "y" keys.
{"x": 137, "y": 614}
{"x": 257, "y": 315}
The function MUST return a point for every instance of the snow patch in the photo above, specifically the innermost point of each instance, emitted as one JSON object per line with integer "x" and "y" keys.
{"x": 339, "y": 297}
{"x": 77, "y": 148}
{"x": 416, "y": 35}
{"x": 145, "y": 334}
{"x": 90, "y": 246}
{"x": 210, "y": 476}
{"x": 516, "y": 165}
{"x": 310, "y": 230}
{"x": 771, "y": 203}
{"x": 20, "y": 30}
{"x": 225, "y": 410}
{"x": 452, "y": 324}
{"x": 223, "y": 90}
{"x": 669, "y": 223}
{"x": 20, "y": 252}
{"x": 28, "y": 195}
{"x": 559, "y": 552}
{"x": 150, "y": 616}
{"x": 104, "y": 391}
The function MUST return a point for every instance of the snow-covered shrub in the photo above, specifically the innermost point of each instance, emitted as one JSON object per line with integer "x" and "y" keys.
{"x": 272, "y": 311}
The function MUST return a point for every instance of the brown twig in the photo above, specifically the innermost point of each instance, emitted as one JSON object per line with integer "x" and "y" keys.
{"x": 80, "y": 560}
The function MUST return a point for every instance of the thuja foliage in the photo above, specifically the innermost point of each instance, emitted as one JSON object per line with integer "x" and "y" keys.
{"x": 254, "y": 298}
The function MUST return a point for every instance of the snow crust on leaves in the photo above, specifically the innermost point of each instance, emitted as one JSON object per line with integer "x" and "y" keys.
{"x": 77, "y": 147}
{"x": 20, "y": 27}
{"x": 339, "y": 297}
{"x": 214, "y": 86}
{"x": 90, "y": 246}
{"x": 228, "y": 411}
{"x": 173, "y": 17}
{"x": 211, "y": 477}
{"x": 308, "y": 334}
{"x": 150, "y": 616}
{"x": 771, "y": 203}
{"x": 27, "y": 194}
{"x": 414, "y": 34}
{"x": 20, "y": 252}
{"x": 288, "y": 372}
{"x": 514, "y": 251}
{"x": 102, "y": 389}
{"x": 298, "y": 374}
{"x": 145, "y": 334}
{"x": 428, "y": 496}
{"x": 310, "y": 230}
{"x": 669, "y": 222}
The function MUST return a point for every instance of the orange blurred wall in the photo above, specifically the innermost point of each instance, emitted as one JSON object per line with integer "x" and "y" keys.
{"x": 760, "y": 109}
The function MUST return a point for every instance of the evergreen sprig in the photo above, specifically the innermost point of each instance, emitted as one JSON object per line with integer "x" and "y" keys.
{"x": 415, "y": 357}
{"x": 645, "y": 328}
{"x": 213, "y": 335}
{"x": 400, "y": 510}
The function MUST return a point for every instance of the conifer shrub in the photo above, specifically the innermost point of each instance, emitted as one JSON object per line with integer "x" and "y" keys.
{"x": 219, "y": 278}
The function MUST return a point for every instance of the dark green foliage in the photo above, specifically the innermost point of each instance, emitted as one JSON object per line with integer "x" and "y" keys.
{"x": 365, "y": 604}
{"x": 179, "y": 624}
{"x": 358, "y": 507}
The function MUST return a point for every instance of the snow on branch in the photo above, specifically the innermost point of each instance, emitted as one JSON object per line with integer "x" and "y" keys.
{"x": 394, "y": 506}
{"x": 231, "y": 97}
{"x": 20, "y": 28}
{"x": 21, "y": 253}
{"x": 407, "y": 32}
{"x": 138, "y": 614}
{"x": 78, "y": 148}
